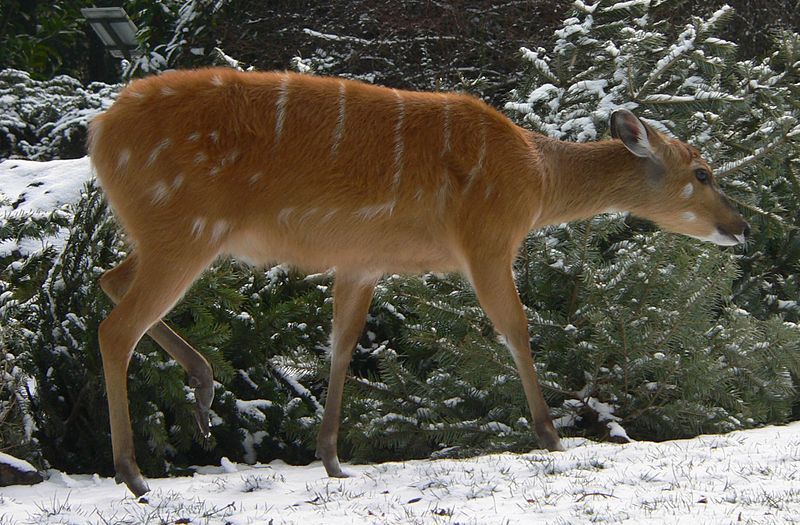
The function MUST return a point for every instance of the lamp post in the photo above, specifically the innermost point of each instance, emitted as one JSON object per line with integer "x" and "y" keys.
{"x": 115, "y": 29}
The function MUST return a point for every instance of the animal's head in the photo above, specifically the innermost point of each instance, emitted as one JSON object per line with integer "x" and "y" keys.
{"x": 681, "y": 194}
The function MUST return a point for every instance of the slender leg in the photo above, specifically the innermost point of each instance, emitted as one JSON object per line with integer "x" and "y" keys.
{"x": 494, "y": 286}
{"x": 115, "y": 283}
{"x": 352, "y": 295}
{"x": 155, "y": 288}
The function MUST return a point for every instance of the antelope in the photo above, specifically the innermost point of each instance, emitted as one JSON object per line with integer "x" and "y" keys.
{"x": 328, "y": 173}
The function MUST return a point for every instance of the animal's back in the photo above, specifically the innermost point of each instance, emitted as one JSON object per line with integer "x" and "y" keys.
{"x": 315, "y": 171}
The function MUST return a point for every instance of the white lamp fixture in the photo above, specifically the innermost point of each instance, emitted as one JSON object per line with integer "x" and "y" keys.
{"x": 115, "y": 29}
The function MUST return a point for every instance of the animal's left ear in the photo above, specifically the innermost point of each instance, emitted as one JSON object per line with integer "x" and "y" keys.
{"x": 633, "y": 133}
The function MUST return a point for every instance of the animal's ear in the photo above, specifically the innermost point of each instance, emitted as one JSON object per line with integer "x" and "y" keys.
{"x": 632, "y": 132}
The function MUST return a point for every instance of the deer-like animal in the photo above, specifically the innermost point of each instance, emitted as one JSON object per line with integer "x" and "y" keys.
{"x": 329, "y": 173}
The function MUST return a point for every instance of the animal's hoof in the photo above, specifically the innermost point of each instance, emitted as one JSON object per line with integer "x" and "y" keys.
{"x": 135, "y": 482}
{"x": 332, "y": 466}
{"x": 203, "y": 396}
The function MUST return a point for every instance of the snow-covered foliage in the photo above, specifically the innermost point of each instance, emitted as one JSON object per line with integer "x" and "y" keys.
{"x": 43, "y": 120}
{"x": 191, "y": 19}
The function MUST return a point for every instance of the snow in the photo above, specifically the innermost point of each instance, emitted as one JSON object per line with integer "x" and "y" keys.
{"x": 749, "y": 476}
{"x": 43, "y": 186}
{"x": 16, "y": 464}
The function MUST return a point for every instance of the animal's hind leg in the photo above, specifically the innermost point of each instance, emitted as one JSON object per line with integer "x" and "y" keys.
{"x": 115, "y": 283}
{"x": 156, "y": 286}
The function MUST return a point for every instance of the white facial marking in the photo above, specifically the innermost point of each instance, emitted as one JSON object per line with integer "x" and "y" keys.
{"x": 446, "y": 128}
{"x": 216, "y": 80}
{"x": 687, "y": 190}
{"x": 157, "y": 151}
{"x": 398, "y": 141}
{"x": 688, "y": 216}
{"x": 283, "y": 215}
{"x": 280, "y": 107}
{"x": 198, "y": 225}
{"x": 160, "y": 193}
{"x": 219, "y": 229}
{"x": 338, "y": 133}
{"x": 193, "y": 137}
{"x": 166, "y": 90}
{"x": 370, "y": 212}
{"x": 718, "y": 238}
{"x": 124, "y": 157}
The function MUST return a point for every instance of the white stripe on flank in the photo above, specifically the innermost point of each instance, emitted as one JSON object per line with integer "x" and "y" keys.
{"x": 370, "y": 212}
{"x": 442, "y": 193}
{"x": 198, "y": 225}
{"x": 338, "y": 133}
{"x": 477, "y": 169}
{"x": 157, "y": 151}
{"x": 687, "y": 190}
{"x": 398, "y": 141}
{"x": 124, "y": 157}
{"x": 280, "y": 107}
{"x": 446, "y": 128}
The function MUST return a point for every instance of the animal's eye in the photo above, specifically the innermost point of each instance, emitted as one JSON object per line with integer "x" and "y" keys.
{"x": 702, "y": 175}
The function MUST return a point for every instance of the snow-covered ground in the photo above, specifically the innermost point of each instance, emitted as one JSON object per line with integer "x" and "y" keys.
{"x": 747, "y": 476}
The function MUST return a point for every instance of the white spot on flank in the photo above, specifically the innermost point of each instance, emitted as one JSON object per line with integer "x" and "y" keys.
{"x": 446, "y": 127}
{"x": 214, "y": 171}
{"x": 198, "y": 225}
{"x": 193, "y": 137}
{"x": 124, "y": 157}
{"x": 160, "y": 193}
{"x": 338, "y": 133}
{"x": 687, "y": 190}
{"x": 255, "y": 176}
{"x": 370, "y": 212}
{"x": 230, "y": 158}
{"x": 398, "y": 141}
{"x": 136, "y": 94}
{"x": 166, "y": 90}
{"x": 200, "y": 157}
{"x": 488, "y": 192}
{"x": 328, "y": 216}
{"x": 220, "y": 228}
{"x": 688, "y": 216}
{"x": 283, "y": 215}
{"x": 280, "y": 107}
{"x": 157, "y": 151}
{"x": 216, "y": 80}
{"x": 178, "y": 181}
{"x": 214, "y": 136}
{"x": 307, "y": 215}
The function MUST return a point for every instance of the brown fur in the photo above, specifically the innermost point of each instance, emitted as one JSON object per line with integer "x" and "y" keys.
{"x": 262, "y": 166}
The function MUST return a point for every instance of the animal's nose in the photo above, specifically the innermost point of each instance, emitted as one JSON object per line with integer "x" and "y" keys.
{"x": 746, "y": 230}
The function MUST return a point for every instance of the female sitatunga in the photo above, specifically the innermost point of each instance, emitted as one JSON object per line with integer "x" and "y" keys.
{"x": 330, "y": 173}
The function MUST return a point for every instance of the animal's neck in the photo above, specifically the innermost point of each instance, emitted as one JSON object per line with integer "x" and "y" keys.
{"x": 582, "y": 180}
